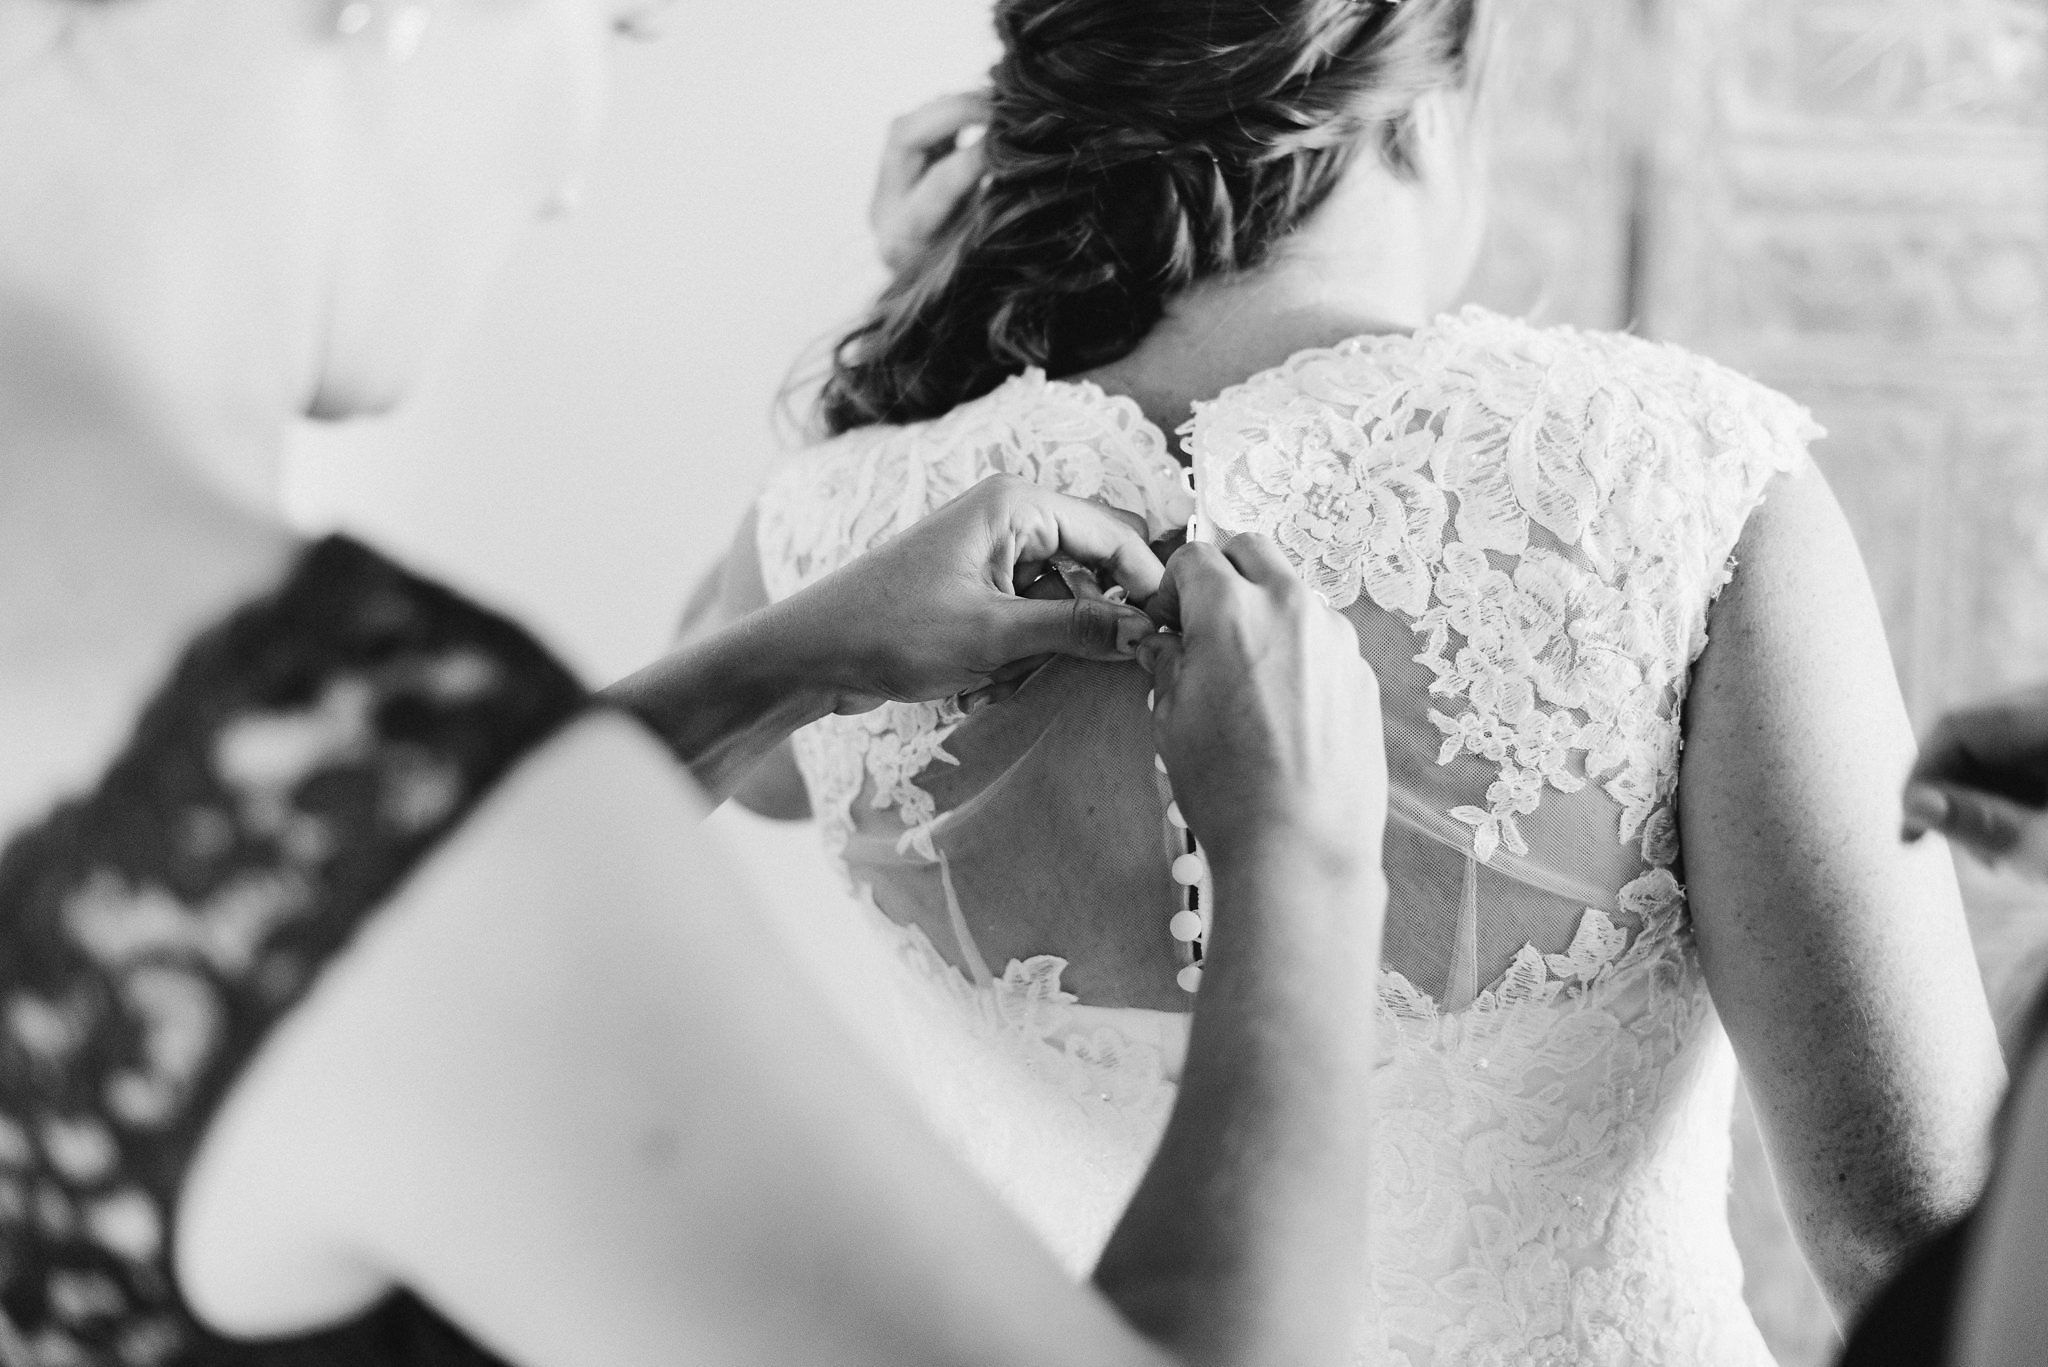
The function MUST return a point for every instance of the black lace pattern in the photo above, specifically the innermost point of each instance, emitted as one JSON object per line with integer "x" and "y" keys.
{"x": 303, "y": 757}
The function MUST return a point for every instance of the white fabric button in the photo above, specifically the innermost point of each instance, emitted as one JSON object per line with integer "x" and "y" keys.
{"x": 1189, "y": 978}
{"x": 1180, "y": 823}
{"x": 1186, "y": 926}
{"x": 1188, "y": 870}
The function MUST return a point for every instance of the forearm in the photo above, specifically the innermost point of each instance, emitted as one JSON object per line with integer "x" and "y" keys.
{"x": 1244, "y": 1243}
{"x": 723, "y": 702}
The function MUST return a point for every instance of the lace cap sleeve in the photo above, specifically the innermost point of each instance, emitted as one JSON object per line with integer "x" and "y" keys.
{"x": 1550, "y": 511}
{"x": 1751, "y": 433}
{"x": 847, "y": 496}
{"x": 1366, "y": 458}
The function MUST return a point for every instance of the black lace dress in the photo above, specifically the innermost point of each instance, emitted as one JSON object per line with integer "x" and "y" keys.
{"x": 302, "y": 759}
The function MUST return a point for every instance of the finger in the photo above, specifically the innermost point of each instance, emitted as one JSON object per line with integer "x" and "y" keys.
{"x": 1196, "y": 581}
{"x": 990, "y": 694}
{"x": 1163, "y": 661}
{"x": 1260, "y": 559}
{"x": 1195, "y": 562}
{"x": 937, "y": 122}
{"x": 1038, "y": 583}
{"x": 930, "y": 200}
{"x": 1003, "y": 683}
{"x": 1163, "y": 607}
{"x": 912, "y": 141}
{"x": 1086, "y": 628}
{"x": 1040, "y": 524}
{"x": 1925, "y": 808}
{"x": 1159, "y": 654}
{"x": 1079, "y": 579}
{"x": 1991, "y": 827}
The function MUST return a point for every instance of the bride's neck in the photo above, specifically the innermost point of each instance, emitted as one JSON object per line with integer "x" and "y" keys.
{"x": 1363, "y": 263}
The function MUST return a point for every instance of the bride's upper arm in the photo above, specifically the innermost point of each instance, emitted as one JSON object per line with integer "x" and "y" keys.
{"x": 570, "y": 1089}
{"x": 1837, "y": 955}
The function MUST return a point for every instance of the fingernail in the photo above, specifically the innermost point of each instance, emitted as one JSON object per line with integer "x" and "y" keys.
{"x": 1927, "y": 809}
{"x": 1116, "y": 593}
{"x": 1132, "y": 628}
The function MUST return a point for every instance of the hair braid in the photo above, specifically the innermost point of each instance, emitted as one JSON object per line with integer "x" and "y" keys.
{"x": 1135, "y": 147}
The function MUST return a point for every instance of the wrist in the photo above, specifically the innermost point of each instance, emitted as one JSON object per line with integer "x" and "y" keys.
{"x": 789, "y": 657}
{"x": 1327, "y": 889}
{"x": 1283, "y": 919}
{"x": 723, "y": 701}
{"x": 1298, "y": 853}
{"x": 810, "y": 648}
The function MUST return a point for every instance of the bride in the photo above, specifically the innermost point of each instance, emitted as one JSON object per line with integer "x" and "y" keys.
{"x": 1238, "y": 220}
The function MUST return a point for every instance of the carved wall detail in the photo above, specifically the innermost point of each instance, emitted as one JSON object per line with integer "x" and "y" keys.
{"x": 1849, "y": 200}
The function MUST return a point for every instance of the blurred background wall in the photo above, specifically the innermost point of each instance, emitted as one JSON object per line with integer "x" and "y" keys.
{"x": 1846, "y": 198}
{"x": 589, "y": 444}
{"x": 1849, "y": 200}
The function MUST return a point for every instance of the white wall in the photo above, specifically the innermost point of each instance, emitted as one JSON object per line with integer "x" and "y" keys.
{"x": 583, "y": 453}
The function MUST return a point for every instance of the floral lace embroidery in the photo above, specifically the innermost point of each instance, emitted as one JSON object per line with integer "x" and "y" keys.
{"x": 1549, "y": 1161}
{"x": 1615, "y": 472}
{"x": 852, "y": 494}
{"x": 883, "y": 751}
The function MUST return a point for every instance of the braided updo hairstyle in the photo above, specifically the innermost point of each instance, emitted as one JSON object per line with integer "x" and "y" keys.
{"x": 1135, "y": 147}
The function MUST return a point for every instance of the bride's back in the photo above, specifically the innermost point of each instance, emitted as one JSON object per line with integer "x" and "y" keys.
{"x": 1174, "y": 199}
{"x": 1526, "y": 528}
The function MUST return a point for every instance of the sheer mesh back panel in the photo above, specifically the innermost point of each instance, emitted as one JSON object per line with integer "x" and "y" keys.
{"x": 1455, "y": 924}
{"x": 1054, "y": 838}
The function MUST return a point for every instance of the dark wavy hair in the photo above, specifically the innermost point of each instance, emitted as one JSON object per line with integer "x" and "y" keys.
{"x": 1135, "y": 147}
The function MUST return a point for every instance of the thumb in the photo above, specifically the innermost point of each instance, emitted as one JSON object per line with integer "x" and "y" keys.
{"x": 1994, "y": 828}
{"x": 1160, "y": 655}
{"x": 1087, "y": 628}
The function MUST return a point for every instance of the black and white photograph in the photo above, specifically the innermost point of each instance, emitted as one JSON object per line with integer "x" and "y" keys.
{"x": 1024, "y": 683}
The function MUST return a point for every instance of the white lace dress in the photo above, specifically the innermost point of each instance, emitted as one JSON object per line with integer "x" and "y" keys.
{"x": 1527, "y": 527}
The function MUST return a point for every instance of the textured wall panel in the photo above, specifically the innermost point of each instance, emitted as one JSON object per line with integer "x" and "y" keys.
{"x": 1849, "y": 200}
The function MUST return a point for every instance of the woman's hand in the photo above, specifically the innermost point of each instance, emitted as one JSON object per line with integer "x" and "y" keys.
{"x": 1267, "y": 718}
{"x": 938, "y": 610}
{"x": 933, "y": 612}
{"x": 926, "y": 169}
{"x": 1269, "y": 723}
{"x": 1982, "y": 780}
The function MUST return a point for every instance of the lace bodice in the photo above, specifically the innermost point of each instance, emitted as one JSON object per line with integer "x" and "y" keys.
{"x": 1527, "y": 528}
{"x": 876, "y": 482}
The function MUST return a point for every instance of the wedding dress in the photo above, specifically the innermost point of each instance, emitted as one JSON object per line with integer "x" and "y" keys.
{"x": 1527, "y": 528}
